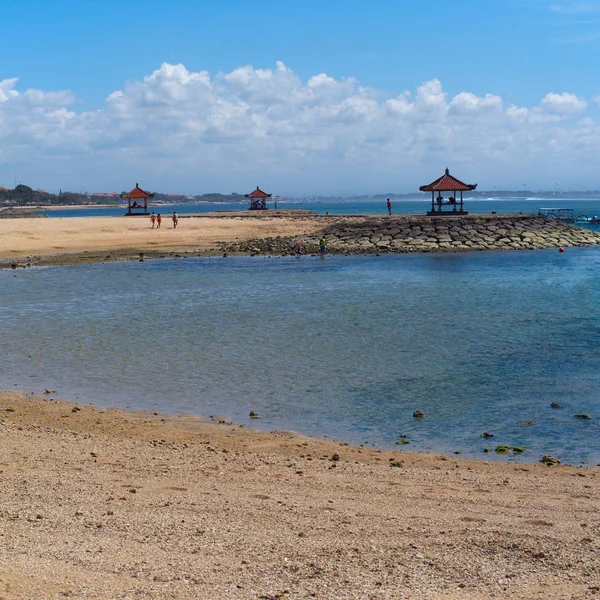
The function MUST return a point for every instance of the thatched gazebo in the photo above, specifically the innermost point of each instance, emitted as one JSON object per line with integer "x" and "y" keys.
{"x": 447, "y": 183}
{"x": 135, "y": 205}
{"x": 258, "y": 199}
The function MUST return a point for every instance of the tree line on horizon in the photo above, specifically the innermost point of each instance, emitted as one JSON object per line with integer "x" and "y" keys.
{"x": 23, "y": 195}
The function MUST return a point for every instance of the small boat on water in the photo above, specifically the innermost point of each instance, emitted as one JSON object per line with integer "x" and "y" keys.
{"x": 560, "y": 214}
{"x": 585, "y": 219}
{"x": 567, "y": 215}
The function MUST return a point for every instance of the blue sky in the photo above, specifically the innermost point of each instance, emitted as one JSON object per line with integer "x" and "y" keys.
{"x": 302, "y": 97}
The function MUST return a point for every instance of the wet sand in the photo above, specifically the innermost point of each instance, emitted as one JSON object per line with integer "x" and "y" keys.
{"x": 109, "y": 504}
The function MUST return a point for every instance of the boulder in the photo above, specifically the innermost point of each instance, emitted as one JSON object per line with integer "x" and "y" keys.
{"x": 549, "y": 460}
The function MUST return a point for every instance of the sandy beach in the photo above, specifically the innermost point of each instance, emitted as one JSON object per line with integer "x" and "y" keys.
{"x": 109, "y": 504}
{"x": 22, "y": 238}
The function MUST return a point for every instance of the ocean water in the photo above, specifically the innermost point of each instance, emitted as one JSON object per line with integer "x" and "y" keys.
{"x": 346, "y": 347}
{"x": 588, "y": 206}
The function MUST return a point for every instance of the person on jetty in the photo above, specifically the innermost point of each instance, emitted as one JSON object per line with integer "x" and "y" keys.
{"x": 297, "y": 249}
{"x": 153, "y": 219}
{"x": 440, "y": 201}
{"x": 389, "y": 206}
{"x": 158, "y": 221}
{"x": 322, "y": 244}
{"x": 175, "y": 220}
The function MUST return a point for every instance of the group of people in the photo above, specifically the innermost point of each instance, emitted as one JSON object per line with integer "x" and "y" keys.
{"x": 156, "y": 220}
{"x": 440, "y": 201}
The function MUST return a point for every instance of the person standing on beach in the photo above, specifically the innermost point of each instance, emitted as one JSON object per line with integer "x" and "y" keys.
{"x": 389, "y": 206}
{"x": 275, "y": 204}
{"x": 153, "y": 219}
{"x": 158, "y": 221}
{"x": 322, "y": 244}
{"x": 175, "y": 220}
{"x": 297, "y": 248}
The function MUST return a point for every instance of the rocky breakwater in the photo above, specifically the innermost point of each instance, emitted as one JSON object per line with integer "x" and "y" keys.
{"x": 21, "y": 213}
{"x": 410, "y": 233}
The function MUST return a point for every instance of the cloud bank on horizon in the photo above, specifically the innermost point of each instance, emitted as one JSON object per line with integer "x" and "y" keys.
{"x": 188, "y": 132}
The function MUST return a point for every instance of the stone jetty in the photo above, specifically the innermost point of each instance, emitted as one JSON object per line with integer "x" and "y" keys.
{"x": 21, "y": 213}
{"x": 412, "y": 233}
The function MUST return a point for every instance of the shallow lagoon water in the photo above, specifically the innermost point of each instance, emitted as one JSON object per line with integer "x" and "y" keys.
{"x": 346, "y": 347}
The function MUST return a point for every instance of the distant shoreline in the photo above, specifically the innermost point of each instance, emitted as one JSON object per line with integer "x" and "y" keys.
{"x": 478, "y": 197}
{"x": 74, "y": 206}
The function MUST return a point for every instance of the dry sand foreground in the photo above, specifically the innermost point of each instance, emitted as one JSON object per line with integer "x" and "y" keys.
{"x": 20, "y": 238}
{"x": 108, "y": 504}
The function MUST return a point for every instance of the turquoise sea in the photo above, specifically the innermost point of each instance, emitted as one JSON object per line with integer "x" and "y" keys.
{"x": 346, "y": 347}
{"x": 589, "y": 206}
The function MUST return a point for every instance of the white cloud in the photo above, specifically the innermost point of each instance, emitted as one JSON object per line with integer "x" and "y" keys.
{"x": 431, "y": 97}
{"x": 176, "y": 130}
{"x": 563, "y": 104}
{"x": 468, "y": 104}
{"x": 6, "y": 90}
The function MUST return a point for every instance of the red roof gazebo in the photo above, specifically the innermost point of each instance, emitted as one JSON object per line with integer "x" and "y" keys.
{"x": 258, "y": 199}
{"x": 447, "y": 183}
{"x": 135, "y": 206}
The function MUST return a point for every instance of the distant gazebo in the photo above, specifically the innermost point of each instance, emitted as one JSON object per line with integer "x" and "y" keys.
{"x": 258, "y": 199}
{"x": 135, "y": 205}
{"x": 447, "y": 183}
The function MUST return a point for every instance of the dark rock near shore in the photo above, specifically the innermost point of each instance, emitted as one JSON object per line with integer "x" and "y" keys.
{"x": 21, "y": 213}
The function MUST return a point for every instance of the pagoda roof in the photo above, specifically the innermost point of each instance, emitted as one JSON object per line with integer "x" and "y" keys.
{"x": 447, "y": 183}
{"x": 138, "y": 192}
{"x": 258, "y": 193}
